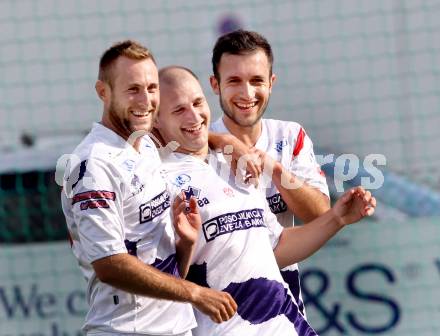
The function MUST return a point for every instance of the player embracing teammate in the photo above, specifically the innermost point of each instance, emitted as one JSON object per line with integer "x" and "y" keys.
{"x": 138, "y": 226}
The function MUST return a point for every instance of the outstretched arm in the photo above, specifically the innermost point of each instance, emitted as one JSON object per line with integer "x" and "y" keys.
{"x": 297, "y": 243}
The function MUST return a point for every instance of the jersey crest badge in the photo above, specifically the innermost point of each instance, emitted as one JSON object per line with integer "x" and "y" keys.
{"x": 280, "y": 145}
{"x": 181, "y": 180}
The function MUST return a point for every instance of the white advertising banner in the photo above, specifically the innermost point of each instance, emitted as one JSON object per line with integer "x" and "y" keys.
{"x": 42, "y": 292}
{"x": 375, "y": 278}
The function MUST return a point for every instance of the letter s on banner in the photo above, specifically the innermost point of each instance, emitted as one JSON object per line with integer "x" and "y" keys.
{"x": 376, "y": 174}
{"x": 372, "y": 297}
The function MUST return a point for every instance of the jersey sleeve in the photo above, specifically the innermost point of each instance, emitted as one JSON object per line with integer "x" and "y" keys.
{"x": 96, "y": 202}
{"x": 272, "y": 224}
{"x": 304, "y": 165}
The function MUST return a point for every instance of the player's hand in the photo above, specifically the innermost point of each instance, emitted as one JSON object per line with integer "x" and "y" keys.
{"x": 243, "y": 156}
{"x": 219, "y": 306}
{"x": 355, "y": 204}
{"x": 265, "y": 162}
{"x": 186, "y": 219}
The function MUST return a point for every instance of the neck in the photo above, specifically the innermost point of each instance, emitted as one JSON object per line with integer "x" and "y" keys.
{"x": 201, "y": 153}
{"x": 247, "y": 134}
{"x": 134, "y": 139}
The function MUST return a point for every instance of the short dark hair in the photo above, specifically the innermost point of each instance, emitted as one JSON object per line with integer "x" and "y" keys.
{"x": 240, "y": 42}
{"x": 127, "y": 48}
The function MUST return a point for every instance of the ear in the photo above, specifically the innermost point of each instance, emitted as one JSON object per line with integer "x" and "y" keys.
{"x": 101, "y": 90}
{"x": 214, "y": 84}
{"x": 272, "y": 81}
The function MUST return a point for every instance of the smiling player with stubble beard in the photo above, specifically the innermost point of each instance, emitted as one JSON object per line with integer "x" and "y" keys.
{"x": 295, "y": 185}
{"x": 120, "y": 216}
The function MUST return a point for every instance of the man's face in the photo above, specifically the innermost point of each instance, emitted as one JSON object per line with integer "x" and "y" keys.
{"x": 134, "y": 97}
{"x": 245, "y": 86}
{"x": 184, "y": 115}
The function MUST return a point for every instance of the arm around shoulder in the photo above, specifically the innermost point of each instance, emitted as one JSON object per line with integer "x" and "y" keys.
{"x": 128, "y": 273}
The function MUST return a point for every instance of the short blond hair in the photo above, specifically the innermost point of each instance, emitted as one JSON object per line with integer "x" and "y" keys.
{"x": 128, "y": 48}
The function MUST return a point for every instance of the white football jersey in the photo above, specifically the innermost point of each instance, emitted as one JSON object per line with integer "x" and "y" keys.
{"x": 234, "y": 252}
{"x": 115, "y": 201}
{"x": 288, "y": 143}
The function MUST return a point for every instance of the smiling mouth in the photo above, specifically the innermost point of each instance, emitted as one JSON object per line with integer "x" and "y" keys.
{"x": 140, "y": 114}
{"x": 247, "y": 106}
{"x": 193, "y": 129}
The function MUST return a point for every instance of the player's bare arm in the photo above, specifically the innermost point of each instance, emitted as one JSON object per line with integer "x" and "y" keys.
{"x": 187, "y": 222}
{"x": 298, "y": 243}
{"x": 305, "y": 201}
{"x": 128, "y": 273}
{"x": 230, "y": 145}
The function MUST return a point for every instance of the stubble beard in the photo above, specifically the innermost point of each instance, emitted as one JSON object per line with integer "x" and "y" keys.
{"x": 231, "y": 116}
{"x": 121, "y": 124}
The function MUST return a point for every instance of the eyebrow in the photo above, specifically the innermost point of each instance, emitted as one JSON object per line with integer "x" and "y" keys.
{"x": 178, "y": 106}
{"x": 140, "y": 84}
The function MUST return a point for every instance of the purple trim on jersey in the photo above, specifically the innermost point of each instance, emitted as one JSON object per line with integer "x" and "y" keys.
{"x": 291, "y": 277}
{"x": 131, "y": 247}
{"x": 169, "y": 265}
{"x": 260, "y": 300}
{"x": 82, "y": 171}
{"x": 197, "y": 274}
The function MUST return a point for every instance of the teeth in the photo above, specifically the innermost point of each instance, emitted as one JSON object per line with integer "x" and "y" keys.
{"x": 246, "y": 106}
{"x": 140, "y": 113}
{"x": 193, "y": 129}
